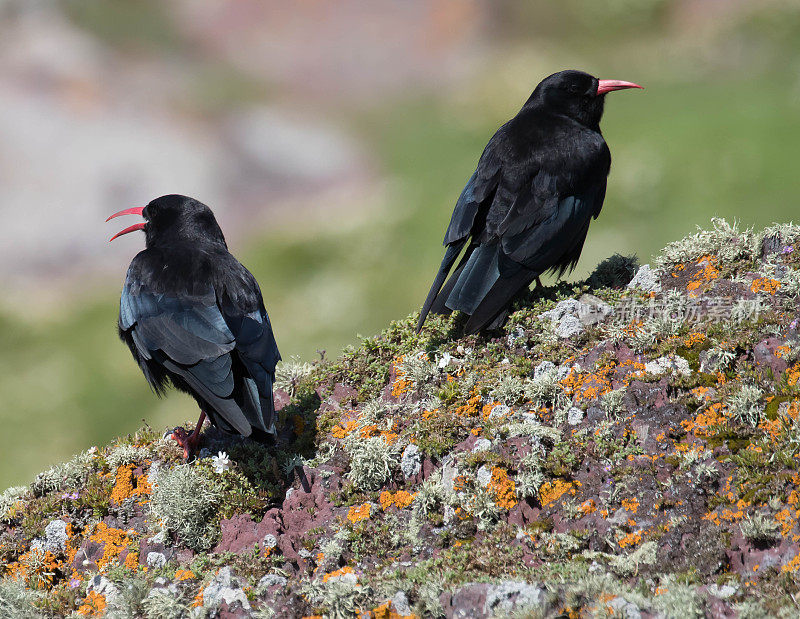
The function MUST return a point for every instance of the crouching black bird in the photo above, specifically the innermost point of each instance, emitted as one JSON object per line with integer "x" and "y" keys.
{"x": 527, "y": 208}
{"x": 193, "y": 316}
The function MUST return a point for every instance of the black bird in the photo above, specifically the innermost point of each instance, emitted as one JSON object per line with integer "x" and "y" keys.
{"x": 527, "y": 208}
{"x": 193, "y": 317}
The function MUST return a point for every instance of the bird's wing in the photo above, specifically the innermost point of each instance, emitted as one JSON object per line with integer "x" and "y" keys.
{"x": 543, "y": 224}
{"x": 542, "y": 229}
{"x": 188, "y": 335}
{"x": 258, "y": 351}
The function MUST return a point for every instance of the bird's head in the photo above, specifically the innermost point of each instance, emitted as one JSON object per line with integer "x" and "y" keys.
{"x": 576, "y": 94}
{"x": 173, "y": 218}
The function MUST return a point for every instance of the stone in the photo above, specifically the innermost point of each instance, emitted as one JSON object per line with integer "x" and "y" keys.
{"x": 226, "y": 588}
{"x": 509, "y": 596}
{"x": 400, "y": 603}
{"x": 646, "y": 279}
{"x": 484, "y": 476}
{"x": 670, "y": 364}
{"x": 271, "y": 580}
{"x": 411, "y": 461}
{"x": 574, "y": 416}
{"x": 482, "y": 444}
{"x": 156, "y": 559}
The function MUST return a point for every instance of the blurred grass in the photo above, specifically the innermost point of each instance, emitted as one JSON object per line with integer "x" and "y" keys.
{"x": 695, "y": 144}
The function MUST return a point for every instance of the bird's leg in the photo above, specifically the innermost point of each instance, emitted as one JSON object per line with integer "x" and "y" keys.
{"x": 189, "y": 442}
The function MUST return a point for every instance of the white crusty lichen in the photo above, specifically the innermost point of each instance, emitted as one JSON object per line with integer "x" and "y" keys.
{"x": 184, "y": 501}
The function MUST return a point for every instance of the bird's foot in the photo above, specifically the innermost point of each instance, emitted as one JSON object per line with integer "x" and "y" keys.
{"x": 188, "y": 442}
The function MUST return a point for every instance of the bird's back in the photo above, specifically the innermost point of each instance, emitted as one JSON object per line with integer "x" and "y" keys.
{"x": 193, "y": 316}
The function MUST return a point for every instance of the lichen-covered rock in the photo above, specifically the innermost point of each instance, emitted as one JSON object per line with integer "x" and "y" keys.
{"x": 612, "y": 451}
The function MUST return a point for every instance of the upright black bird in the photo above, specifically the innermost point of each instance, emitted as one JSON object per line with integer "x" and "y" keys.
{"x": 193, "y": 316}
{"x": 527, "y": 208}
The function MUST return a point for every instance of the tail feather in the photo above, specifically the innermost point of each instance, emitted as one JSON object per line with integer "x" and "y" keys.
{"x": 450, "y": 256}
{"x": 495, "y": 302}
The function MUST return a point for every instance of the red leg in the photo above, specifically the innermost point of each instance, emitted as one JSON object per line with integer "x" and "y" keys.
{"x": 189, "y": 442}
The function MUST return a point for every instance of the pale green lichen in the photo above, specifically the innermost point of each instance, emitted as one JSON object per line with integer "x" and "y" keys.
{"x": 372, "y": 461}
{"x": 184, "y": 502}
{"x": 17, "y": 601}
{"x": 10, "y": 498}
{"x": 289, "y": 374}
{"x": 69, "y": 474}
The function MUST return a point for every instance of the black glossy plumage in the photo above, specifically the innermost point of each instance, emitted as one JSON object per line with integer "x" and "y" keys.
{"x": 527, "y": 208}
{"x": 193, "y": 316}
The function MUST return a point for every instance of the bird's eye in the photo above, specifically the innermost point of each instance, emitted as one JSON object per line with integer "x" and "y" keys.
{"x": 573, "y": 89}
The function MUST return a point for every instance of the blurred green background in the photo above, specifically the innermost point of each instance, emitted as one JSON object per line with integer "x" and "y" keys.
{"x": 415, "y": 93}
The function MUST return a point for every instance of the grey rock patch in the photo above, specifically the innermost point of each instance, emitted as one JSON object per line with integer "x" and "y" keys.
{"x": 501, "y": 410}
{"x": 574, "y": 416}
{"x": 224, "y": 588}
{"x": 156, "y": 559}
{"x": 482, "y": 444}
{"x": 271, "y": 580}
{"x": 626, "y": 609}
{"x": 410, "y": 461}
{"x": 723, "y": 592}
{"x": 55, "y": 538}
{"x": 672, "y": 364}
{"x": 102, "y": 586}
{"x": 568, "y": 327}
{"x": 484, "y": 476}
{"x": 646, "y": 279}
{"x": 510, "y": 595}
{"x": 543, "y": 368}
{"x": 400, "y": 603}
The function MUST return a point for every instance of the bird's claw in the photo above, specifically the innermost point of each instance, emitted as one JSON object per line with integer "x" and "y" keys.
{"x": 187, "y": 441}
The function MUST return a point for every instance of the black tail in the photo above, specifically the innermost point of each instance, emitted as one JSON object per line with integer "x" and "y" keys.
{"x": 450, "y": 256}
{"x": 497, "y": 299}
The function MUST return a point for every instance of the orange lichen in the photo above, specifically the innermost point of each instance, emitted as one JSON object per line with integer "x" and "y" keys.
{"x": 631, "y": 505}
{"x": 387, "y": 611}
{"x": 765, "y": 284}
{"x": 132, "y": 560}
{"x": 503, "y": 489}
{"x": 94, "y": 605}
{"x": 473, "y": 406}
{"x": 588, "y": 507}
{"x": 358, "y": 513}
{"x": 705, "y": 275}
{"x": 793, "y": 565}
{"x": 400, "y": 499}
{"x": 114, "y": 542}
{"x": 793, "y": 374}
{"x": 693, "y": 339}
{"x": 340, "y": 572}
{"x": 181, "y": 575}
{"x": 551, "y": 492}
{"x": 705, "y": 421}
{"x": 340, "y": 431}
{"x": 631, "y": 539}
{"x": 126, "y": 485}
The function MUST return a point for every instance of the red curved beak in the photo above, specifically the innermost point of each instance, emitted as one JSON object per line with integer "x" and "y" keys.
{"x": 605, "y": 86}
{"x": 136, "y": 210}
